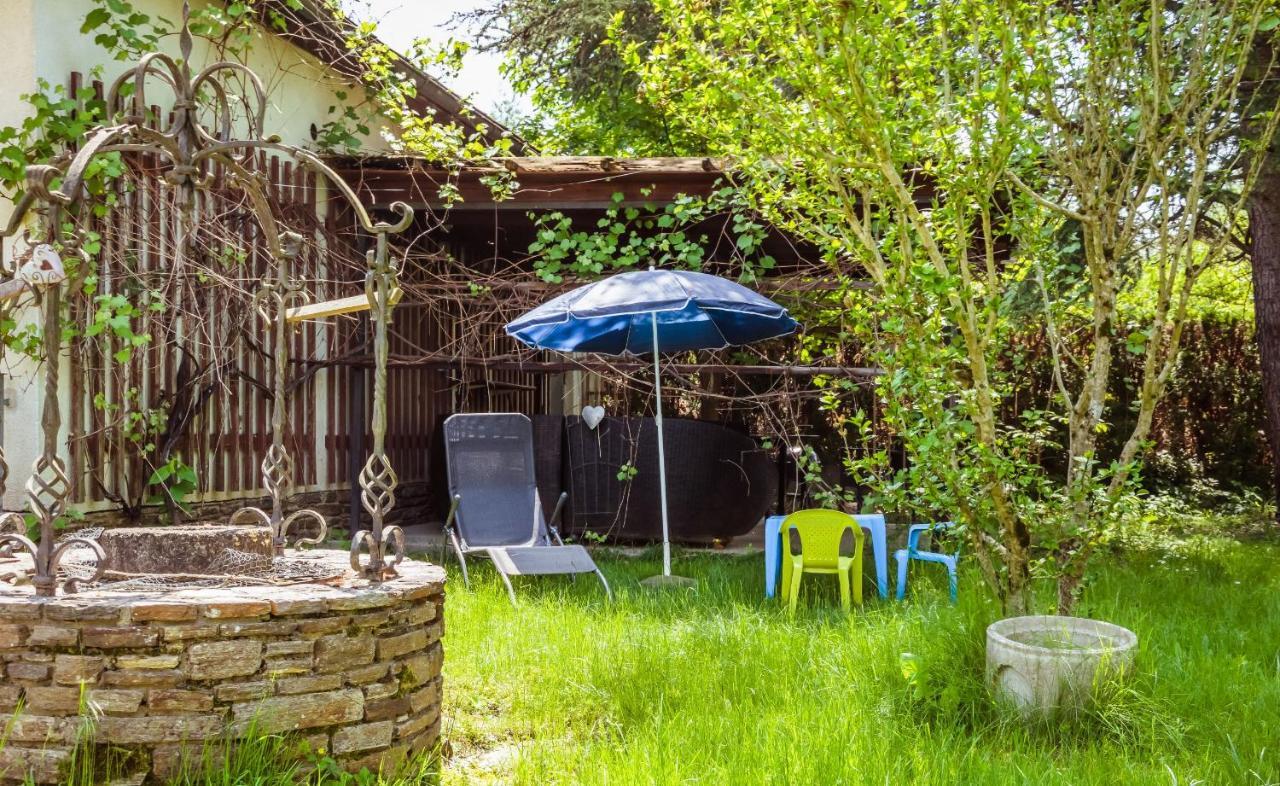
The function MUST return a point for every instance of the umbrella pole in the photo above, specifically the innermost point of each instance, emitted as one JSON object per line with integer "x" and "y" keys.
{"x": 662, "y": 456}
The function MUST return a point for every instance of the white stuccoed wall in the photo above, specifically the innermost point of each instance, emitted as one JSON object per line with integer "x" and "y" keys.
{"x": 21, "y": 412}
{"x": 41, "y": 39}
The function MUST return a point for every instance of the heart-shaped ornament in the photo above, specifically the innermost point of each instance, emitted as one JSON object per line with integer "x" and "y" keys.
{"x": 592, "y": 416}
{"x": 43, "y": 268}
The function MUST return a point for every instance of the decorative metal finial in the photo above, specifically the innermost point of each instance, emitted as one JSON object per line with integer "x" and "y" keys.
{"x": 185, "y": 42}
{"x": 378, "y": 478}
{"x": 191, "y": 142}
{"x": 272, "y": 301}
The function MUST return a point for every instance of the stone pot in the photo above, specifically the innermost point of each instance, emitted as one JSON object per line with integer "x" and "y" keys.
{"x": 1043, "y": 664}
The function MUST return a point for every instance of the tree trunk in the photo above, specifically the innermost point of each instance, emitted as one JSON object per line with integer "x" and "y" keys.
{"x": 1264, "y": 250}
{"x": 1264, "y": 230}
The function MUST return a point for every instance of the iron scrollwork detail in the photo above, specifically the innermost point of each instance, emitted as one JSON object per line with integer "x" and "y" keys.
{"x": 384, "y": 544}
{"x": 190, "y": 142}
{"x": 275, "y": 296}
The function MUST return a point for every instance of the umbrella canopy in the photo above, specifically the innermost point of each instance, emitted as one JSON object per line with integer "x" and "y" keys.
{"x": 654, "y": 311}
{"x": 615, "y": 316}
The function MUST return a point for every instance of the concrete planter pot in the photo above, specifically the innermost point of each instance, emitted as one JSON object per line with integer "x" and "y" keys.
{"x": 1044, "y": 664}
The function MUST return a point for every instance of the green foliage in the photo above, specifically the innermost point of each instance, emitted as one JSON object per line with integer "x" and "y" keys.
{"x": 345, "y": 129}
{"x": 55, "y": 121}
{"x": 123, "y": 30}
{"x": 391, "y": 95}
{"x": 20, "y": 338}
{"x": 1222, "y": 294}
{"x": 673, "y": 234}
{"x": 627, "y": 472}
{"x": 115, "y": 315}
{"x": 960, "y": 155}
{"x": 177, "y": 479}
{"x": 1183, "y": 521}
{"x": 721, "y": 686}
{"x": 567, "y": 56}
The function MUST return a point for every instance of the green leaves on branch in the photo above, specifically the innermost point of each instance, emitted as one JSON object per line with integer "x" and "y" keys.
{"x": 114, "y": 317}
{"x": 178, "y": 480}
{"x": 391, "y": 96}
{"x": 122, "y": 29}
{"x": 1002, "y": 172}
{"x": 54, "y": 121}
{"x": 674, "y": 234}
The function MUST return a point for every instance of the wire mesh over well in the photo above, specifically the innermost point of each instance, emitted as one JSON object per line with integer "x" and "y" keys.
{"x": 233, "y": 568}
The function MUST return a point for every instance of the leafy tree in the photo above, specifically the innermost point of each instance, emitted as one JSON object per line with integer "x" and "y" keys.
{"x": 990, "y": 165}
{"x": 567, "y": 54}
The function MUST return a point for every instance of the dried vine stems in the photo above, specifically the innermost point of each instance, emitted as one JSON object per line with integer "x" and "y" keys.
{"x": 192, "y": 149}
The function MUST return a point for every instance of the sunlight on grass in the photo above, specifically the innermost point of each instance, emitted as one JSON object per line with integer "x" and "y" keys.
{"x": 719, "y": 686}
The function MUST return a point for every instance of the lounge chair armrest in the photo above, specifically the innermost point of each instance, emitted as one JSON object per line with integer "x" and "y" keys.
{"x": 453, "y": 511}
{"x": 554, "y": 524}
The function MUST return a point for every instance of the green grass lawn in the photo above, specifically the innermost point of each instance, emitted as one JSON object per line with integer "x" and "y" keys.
{"x": 718, "y": 686}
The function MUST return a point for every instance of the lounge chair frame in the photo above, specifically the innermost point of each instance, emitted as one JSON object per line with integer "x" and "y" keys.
{"x": 516, "y": 548}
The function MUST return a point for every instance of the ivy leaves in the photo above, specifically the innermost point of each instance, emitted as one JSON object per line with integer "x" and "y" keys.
{"x": 669, "y": 235}
{"x": 114, "y": 317}
{"x": 122, "y": 29}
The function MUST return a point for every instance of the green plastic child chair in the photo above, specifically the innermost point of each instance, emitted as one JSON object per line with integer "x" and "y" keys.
{"x": 821, "y": 532}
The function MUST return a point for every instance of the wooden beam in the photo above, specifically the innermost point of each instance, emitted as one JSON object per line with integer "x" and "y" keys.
{"x": 335, "y": 308}
{"x": 597, "y": 164}
{"x": 558, "y": 182}
{"x": 598, "y": 366}
{"x": 580, "y": 187}
{"x": 780, "y": 286}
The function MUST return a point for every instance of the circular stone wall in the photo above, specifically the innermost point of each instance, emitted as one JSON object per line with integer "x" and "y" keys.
{"x": 353, "y": 669}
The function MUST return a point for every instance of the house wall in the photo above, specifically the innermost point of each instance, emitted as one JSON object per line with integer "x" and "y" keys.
{"x": 41, "y": 40}
{"x": 301, "y": 89}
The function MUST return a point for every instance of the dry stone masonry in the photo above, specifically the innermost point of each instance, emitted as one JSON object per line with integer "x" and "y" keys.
{"x": 353, "y": 668}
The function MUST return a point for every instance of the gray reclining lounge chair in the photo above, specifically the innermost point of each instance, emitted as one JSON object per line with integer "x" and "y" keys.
{"x": 496, "y": 509}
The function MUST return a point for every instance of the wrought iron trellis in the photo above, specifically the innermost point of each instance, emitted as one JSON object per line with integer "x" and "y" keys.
{"x": 272, "y": 300}
{"x": 196, "y": 140}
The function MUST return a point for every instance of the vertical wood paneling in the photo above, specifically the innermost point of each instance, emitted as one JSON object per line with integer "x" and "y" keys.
{"x": 228, "y": 439}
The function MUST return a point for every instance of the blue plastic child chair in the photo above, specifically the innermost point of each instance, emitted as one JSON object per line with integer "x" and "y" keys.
{"x": 913, "y": 552}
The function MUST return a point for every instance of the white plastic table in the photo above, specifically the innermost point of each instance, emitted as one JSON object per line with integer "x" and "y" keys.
{"x": 871, "y": 522}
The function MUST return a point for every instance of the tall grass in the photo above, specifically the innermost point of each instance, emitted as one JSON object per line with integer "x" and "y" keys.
{"x": 718, "y": 686}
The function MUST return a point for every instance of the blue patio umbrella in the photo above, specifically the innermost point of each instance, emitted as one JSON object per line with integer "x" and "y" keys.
{"x": 653, "y": 311}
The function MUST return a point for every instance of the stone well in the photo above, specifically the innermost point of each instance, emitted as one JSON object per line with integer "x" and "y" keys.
{"x": 352, "y": 667}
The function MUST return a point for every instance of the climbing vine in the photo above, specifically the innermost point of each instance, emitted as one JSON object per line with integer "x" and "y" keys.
{"x": 126, "y": 318}
{"x": 675, "y": 234}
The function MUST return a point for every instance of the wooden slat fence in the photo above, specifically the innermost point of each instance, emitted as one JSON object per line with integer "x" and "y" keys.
{"x": 208, "y": 329}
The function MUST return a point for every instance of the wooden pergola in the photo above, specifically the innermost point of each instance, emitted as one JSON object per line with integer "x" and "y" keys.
{"x": 584, "y": 189}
